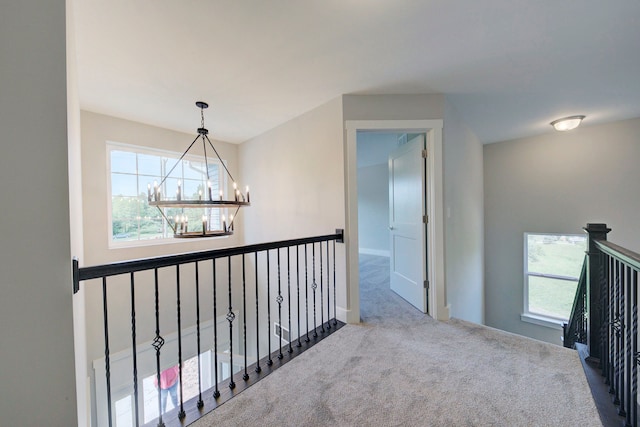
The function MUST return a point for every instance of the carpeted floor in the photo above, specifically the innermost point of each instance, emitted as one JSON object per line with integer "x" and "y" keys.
{"x": 402, "y": 368}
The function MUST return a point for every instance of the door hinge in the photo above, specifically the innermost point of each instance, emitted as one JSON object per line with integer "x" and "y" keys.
{"x": 424, "y": 154}
{"x": 425, "y": 219}
{"x": 426, "y": 284}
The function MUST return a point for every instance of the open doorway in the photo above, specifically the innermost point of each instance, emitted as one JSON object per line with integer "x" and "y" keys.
{"x": 434, "y": 247}
{"x": 391, "y": 216}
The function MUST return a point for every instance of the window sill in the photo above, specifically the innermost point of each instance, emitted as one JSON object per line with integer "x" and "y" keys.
{"x": 542, "y": 321}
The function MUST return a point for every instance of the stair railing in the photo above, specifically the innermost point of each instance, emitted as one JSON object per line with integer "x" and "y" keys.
{"x": 254, "y": 288}
{"x": 612, "y": 318}
{"x": 575, "y": 330}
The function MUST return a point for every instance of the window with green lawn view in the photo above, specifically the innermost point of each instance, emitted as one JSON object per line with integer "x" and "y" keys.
{"x": 133, "y": 170}
{"x": 552, "y": 268}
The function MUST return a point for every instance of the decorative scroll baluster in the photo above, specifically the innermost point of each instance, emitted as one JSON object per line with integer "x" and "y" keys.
{"x": 288, "y": 297}
{"x": 244, "y": 319}
{"x": 328, "y": 290}
{"x": 632, "y": 417}
{"x": 314, "y": 285}
{"x": 158, "y": 342}
{"x": 298, "y": 289}
{"x": 181, "y": 413}
{"x": 216, "y": 391}
{"x": 335, "y": 312}
{"x": 620, "y": 338}
{"x": 612, "y": 314}
{"x": 306, "y": 290}
{"x": 134, "y": 354}
{"x": 200, "y": 401}
{"x": 230, "y": 318}
{"x": 628, "y": 355}
{"x": 258, "y": 368}
{"x": 279, "y": 300}
{"x": 269, "y": 360}
{"x": 321, "y": 291}
{"x": 107, "y": 364}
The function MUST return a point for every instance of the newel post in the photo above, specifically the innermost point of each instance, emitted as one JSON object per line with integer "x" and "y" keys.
{"x": 596, "y": 288}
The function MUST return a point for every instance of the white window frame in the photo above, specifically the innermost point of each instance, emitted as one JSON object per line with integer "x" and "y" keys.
{"x": 532, "y": 317}
{"x": 118, "y": 146}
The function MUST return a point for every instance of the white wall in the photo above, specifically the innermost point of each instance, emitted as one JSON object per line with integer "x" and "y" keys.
{"x": 373, "y": 209}
{"x": 297, "y": 184}
{"x": 37, "y": 378}
{"x": 464, "y": 218}
{"x": 556, "y": 183}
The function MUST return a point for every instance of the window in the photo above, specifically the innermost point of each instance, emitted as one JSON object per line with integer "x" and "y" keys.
{"x": 552, "y": 265}
{"x": 133, "y": 170}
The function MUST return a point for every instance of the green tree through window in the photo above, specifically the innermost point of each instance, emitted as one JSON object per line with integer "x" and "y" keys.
{"x": 133, "y": 170}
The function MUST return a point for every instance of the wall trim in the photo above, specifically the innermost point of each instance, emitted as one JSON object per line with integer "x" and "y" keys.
{"x": 376, "y": 252}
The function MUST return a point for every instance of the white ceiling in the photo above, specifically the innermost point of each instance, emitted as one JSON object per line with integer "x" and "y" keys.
{"x": 509, "y": 66}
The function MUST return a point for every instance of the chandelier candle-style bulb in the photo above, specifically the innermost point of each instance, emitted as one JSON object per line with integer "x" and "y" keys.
{"x": 224, "y": 224}
{"x": 178, "y": 192}
{"x": 155, "y": 190}
{"x": 209, "y": 186}
{"x": 199, "y": 194}
{"x": 176, "y": 224}
{"x": 220, "y": 195}
{"x": 149, "y": 192}
{"x": 204, "y": 224}
{"x": 231, "y": 222}
{"x": 185, "y": 221}
{"x": 247, "y": 190}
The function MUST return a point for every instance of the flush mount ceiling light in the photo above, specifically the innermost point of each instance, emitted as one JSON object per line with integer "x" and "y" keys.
{"x": 567, "y": 123}
{"x": 202, "y": 202}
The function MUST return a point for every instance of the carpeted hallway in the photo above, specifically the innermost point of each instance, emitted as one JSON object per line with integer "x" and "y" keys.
{"x": 402, "y": 368}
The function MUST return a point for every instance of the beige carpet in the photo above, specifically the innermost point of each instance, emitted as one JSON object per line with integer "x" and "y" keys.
{"x": 402, "y": 368}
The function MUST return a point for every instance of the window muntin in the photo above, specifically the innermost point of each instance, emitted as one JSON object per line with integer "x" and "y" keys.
{"x": 552, "y": 264}
{"x": 132, "y": 169}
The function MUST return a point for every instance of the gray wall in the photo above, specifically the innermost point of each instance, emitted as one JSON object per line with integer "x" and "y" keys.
{"x": 554, "y": 183}
{"x": 373, "y": 209}
{"x": 464, "y": 218}
{"x": 37, "y": 378}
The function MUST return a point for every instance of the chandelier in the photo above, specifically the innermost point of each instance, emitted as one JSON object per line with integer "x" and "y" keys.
{"x": 205, "y": 198}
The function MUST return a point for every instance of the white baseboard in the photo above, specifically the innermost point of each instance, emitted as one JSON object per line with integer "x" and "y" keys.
{"x": 378, "y": 252}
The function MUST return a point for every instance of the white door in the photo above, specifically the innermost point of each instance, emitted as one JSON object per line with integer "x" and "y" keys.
{"x": 407, "y": 172}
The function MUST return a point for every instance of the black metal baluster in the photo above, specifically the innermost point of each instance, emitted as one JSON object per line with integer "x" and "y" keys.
{"x": 258, "y": 368}
{"x": 134, "y": 353}
{"x": 298, "y": 289}
{"x": 288, "y": 296}
{"x": 321, "y": 290}
{"x": 314, "y": 286}
{"x": 216, "y": 392}
{"x": 158, "y": 342}
{"x": 604, "y": 319}
{"x": 633, "y": 397}
{"x": 306, "y": 291}
{"x": 611, "y": 334}
{"x": 628, "y": 362}
{"x": 269, "y": 361}
{"x": 244, "y": 318}
{"x": 107, "y": 364}
{"x": 328, "y": 290}
{"x": 279, "y": 300}
{"x": 621, "y": 344}
{"x": 230, "y": 318}
{"x": 335, "y": 312}
{"x": 200, "y": 401}
{"x": 182, "y": 413}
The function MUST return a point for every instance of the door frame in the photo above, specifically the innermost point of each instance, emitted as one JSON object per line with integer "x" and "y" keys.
{"x": 437, "y": 306}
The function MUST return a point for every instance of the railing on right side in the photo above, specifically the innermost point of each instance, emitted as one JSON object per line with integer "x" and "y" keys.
{"x": 612, "y": 318}
{"x": 575, "y": 331}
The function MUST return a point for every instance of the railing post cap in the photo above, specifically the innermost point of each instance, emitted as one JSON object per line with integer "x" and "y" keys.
{"x": 597, "y": 228}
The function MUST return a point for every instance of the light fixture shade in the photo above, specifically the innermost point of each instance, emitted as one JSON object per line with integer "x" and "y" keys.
{"x": 567, "y": 123}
